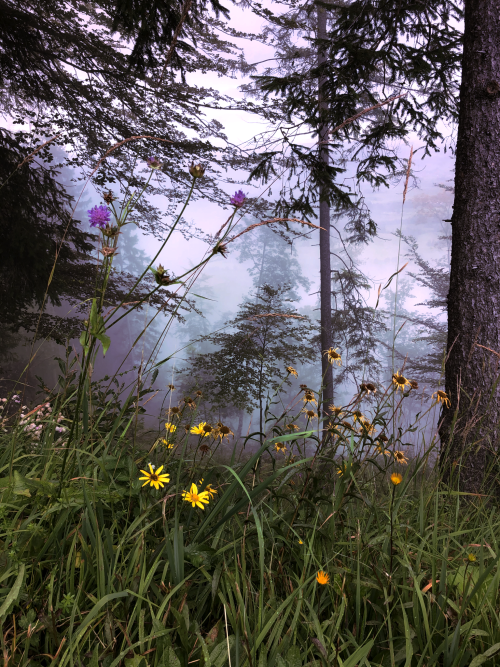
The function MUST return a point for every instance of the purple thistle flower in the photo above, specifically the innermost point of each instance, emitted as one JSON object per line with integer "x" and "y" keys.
{"x": 99, "y": 216}
{"x": 153, "y": 162}
{"x": 238, "y": 199}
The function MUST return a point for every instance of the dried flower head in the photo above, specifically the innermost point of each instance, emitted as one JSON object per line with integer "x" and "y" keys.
{"x": 109, "y": 197}
{"x": 310, "y": 414}
{"x": 368, "y": 387}
{"x": 280, "y": 447}
{"x": 292, "y": 427}
{"x": 199, "y": 393}
{"x": 383, "y": 437}
{"x": 154, "y": 163}
{"x": 357, "y": 414}
{"x": 303, "y": 387}
{"x": 413, "y": 384}
{"x": 174, "y": 411}
{"x": 189, "y": 402}
{"x": 204, "y": 449}
{"x": 171, "y": 387}
{"x": 291, "y": 371}
{"x": 400, "y": 457}
{"x": 220, "y": 248}
{"x": 335, "y": 410}
{"x": 107, "y": 251}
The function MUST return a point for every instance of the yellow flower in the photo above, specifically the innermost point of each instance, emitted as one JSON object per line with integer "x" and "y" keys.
{"x": 280, "y": 447}
{"x": 333, "y": 356}
{"x": 442, "y": 397}
{"x": 171, "y": 428}
{"x": 196, "y": 499}
{"x": 300, "y": 542}
{"x": 224, "y": 432}
{"x": 291, "y": 427}
{"x": 156, "y": 479}
{"x": 322, "y": 577}
{"x": 342, "y": 469}
{"x": 396, "y": 478}
{"x": 167, "y": 444}
{"x": 309, "y": 397}
{"x": 310, "y": 414}
{"x": 291, "y": 371}
{"x": 400, "y": 457}
{"x": 201, "y": 429}
{"x": 400, "y": 381}
{"x": 209, "y": 488}
{"x": 366, "y": 426}
{"x": 357, "y": 414}
{"x": 471, "y": 558}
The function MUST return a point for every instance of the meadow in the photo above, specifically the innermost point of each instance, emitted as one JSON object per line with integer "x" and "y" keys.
{"x": 195, "y": 549}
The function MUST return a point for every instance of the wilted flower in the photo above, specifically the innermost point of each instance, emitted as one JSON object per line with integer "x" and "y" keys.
{"x": 196, "y": 170}
{"x": 107, "y": 250}
{"x": 413, "y": 383}
{"x": 399, "y": 381}
{"x": 280, "y": 447}
{"x": 199, "y": 393}
{"x": 154, "y": 163}
{"x": 238, "y": 198}
{"x": 333, "y": 356}
{"x": 224, "y": 431}
{"x": 109, "y": 197}
{"x": 368, "y": 387}
{"x": 310, "y": 414}
{"x": 309, "y": 397}
{"x": 291, "y": 371}
{"x": 400, "y": 457}
{"x": 204, "y": 449}
{"x": 99, "y": 216}
{"x": 336, "y": 411}
{"x": 220, "y": 248}
{"x": 442, "y": 397}
{"x": 171, "y": 387}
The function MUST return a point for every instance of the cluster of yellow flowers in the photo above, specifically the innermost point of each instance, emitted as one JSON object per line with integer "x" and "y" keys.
{"x": 157, "y": 479}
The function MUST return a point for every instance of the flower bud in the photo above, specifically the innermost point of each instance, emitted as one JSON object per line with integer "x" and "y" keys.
{"x": 154, "y": 163}
{"x": 196, "y": 170}
{"x": 161, "y": 276}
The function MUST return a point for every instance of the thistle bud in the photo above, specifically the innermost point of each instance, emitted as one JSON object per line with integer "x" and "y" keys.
{"x": 161, "y": 276}
{"x": 196, "y": 170}
{"x": 108, "y": 197}
{"x": 220, "y": 248}
{"x": 154, "y": 163}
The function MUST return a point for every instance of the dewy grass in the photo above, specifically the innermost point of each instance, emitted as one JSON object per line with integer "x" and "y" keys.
{"x": 189, "y": 554}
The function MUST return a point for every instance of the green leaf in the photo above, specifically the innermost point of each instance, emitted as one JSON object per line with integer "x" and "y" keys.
{"x": 136, "y": 661}
{"x": 359, "y": 655}
{"x": 13, "y": 594}
{"x": 490, "y": 653}
{"x": 294, "y": 657}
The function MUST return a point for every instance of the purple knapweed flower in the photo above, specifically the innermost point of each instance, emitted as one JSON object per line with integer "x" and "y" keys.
{"x": 99, "y": 216}
{"x": 153, "y": 162}
{"x": 238, "y": 198}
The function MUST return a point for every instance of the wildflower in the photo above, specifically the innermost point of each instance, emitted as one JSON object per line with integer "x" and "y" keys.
{"x": 413, "y": 383}
{"x": 382, "y": 450}
{"x": 442, "y": 397}
{"x": 199, "y": 393}
{"x": 346, "y": 425}
{"x": 189, "y": 402}
{"x": 300, "y": 542}
{"x": 357, "y": 414}
{"x": 155, "y": 478}
{"x": 99, "y": 216}
{"x": 396, "y": 478}
{"x": 471, "y": 558}
{"x": 292, "y": 427}
{"x": 209, "y": 488}
{"x": 399, "y": 381}
{"x": 196, "y": 170}
{"x": 310, "y": 414}
{"x": 291, "y": 371}
{"x": 303, "y": 387}
{"x": 238, "y": 199}
{"x": 175, "y": 412}
{"x": 204, "y": 449}
{"x": 336, "y": 411}
{"x": 309, "y": 397}
{"x": 171, "y": 387}
{"x": 334, "y": 356}
{"x": 280, "y": 447}
{"x": 171, "y": 428}
{"x": 201, "y": 429}
{"x": 400, "y": 457}
{"x": 365, "y": 425}
{"x": 107, "y": 250}
{"x": 167, "y": 444}
{"x": 383, "y": 437}
{"x": 224, "y": 432}
{"x": 196, "y": 499}
{"x": 368, "y": 387}
{"x": 154, "y": 163}
{"x": 322, "y": 578}
{"x": 342, "y": 469}
{"x": 161, "y": 275}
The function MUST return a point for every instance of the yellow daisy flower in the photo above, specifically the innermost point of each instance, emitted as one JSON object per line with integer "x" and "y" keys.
{"x": 155, "y": 479}
{"x": 171, "y": 428}
{"x": 196, "y": 499}
{"x": 291, "y": 371}
{"x": 167, "y": 444}
{"x": 400, "y": 381}
{"x": 396, "y": 478}
{"x": 309, "y": 397}
{"x": 333, "y": 356}
{"x": 280, "y": 447}
{"x": 310, "y": 414}
{"x": 441, "y": 397}
{"x": 322, "y": 577}
{"x": 400, "y": 457}
{"x": 201, "y": 429}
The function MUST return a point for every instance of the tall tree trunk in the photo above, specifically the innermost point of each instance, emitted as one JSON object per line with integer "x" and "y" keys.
{"x": 474, "y": 296}
{"x": 324, "y": 233}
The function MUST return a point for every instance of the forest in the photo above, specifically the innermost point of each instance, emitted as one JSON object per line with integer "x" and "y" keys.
{"x": 250, "y": 333}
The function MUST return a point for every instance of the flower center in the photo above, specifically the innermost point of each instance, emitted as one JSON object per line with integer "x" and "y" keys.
{"x": 154, "y": 477}
{"x": 195, "y": 497}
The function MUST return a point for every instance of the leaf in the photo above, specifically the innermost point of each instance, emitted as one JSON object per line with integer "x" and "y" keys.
{"x": 294, "y": 657}
{"x": 359, "y": 655}
{"x": 13, "y": 594}
{"x": 320, "y": 647}
{"x": 136, "y": 661}
{"x": 20, "y": 485}
{"x": 490, "y": 653}
{"x": 219, "y": 654}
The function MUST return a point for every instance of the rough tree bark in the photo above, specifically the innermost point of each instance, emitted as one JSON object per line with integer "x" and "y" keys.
{"x": 474, "y": 297}
{"x": 324, "y": 234}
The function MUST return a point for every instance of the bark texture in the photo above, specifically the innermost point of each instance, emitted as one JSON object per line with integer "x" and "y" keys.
{"x": 471, "y": 372}
{"x": 324, "y": 234}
